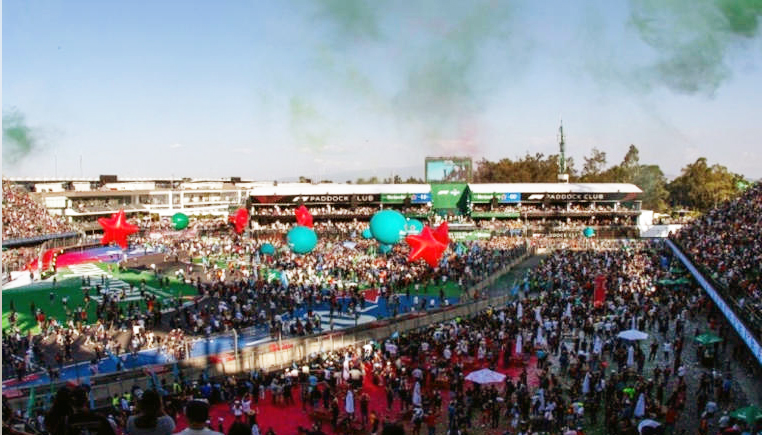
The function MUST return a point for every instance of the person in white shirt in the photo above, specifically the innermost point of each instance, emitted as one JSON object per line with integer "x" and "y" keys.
{"x": 197, "y": 413}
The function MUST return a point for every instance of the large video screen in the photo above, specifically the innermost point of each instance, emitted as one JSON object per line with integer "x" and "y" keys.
{"x": 448, "y": 169}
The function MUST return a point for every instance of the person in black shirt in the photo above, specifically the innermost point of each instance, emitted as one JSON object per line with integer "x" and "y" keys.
{"x": 84, "y": 421}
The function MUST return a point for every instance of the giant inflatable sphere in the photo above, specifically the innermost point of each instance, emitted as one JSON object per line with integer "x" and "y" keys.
{"x": 414, "y": 226}
{"x": 267, "y": 249}
{"x": 179, "y": 221}
{"x": 388, "y": 226}
{"x": 301, "y": 239}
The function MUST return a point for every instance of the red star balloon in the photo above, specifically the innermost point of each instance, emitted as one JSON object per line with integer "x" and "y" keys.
{"x": 442, "y": 233}
{"x": 303, "y": 216}
{"x": 240, "y": 220}
{"x": 425, "y": 246}
{"x": 116, "y": 229}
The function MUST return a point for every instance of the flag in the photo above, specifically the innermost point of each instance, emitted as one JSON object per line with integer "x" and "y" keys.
{"x": 30, "y": 403}
{"x": 599, "y": 294}
{"x": 283, "y": 278}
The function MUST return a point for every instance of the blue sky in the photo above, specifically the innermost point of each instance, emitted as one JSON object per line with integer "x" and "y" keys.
{"x": 271, "y": 90}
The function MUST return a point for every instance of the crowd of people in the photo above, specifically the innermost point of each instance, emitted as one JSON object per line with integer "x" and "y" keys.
{"x": 24, "y": 217}
{"x": 727, "y": 242}
{"x": 567, "y": 368}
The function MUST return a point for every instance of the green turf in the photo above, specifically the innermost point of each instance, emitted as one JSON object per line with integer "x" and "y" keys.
{"x": 70, "y": 286}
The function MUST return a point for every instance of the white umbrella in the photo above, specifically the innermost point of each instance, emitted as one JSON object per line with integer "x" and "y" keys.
{"x": 632, "y": 335}
{"x": 519, "y": 344}
{"x": 630, "y": 357}
{"x": 647, "y": 423}
{"x": 485, "y": 376}
{"x": 586, "y": 384}
{"x": 640, "y": 407}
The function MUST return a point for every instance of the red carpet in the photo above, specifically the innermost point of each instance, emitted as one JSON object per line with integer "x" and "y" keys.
{"x": 285, "y": 420}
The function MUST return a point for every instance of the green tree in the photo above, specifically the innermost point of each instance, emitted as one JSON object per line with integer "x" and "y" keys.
{"x": 653, "y": 183}
{"x": 593, "y": 170}
{"x": 701, "y": 186}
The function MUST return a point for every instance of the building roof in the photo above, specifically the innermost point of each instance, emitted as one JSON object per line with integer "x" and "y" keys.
{"x": 337, "y": 189}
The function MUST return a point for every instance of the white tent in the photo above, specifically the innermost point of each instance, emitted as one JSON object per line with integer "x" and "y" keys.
{"x": 632, "y": 335}
{"x": 485, "y": 376}
{"x": 647, "y": 423}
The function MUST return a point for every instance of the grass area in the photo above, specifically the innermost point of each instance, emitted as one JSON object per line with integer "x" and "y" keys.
{"x": 70, "y": 286}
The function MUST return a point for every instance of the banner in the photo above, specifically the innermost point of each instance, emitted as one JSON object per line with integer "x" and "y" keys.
{"x": 599, "y": 294}
{"x": 565, "y": 197}
{"x": 509, "y": 197}
{"x": 449, "y": 196}
{"x": 316, "y": 199}
{"x": 399, "y": 198}
{"x": 496, "y": 214}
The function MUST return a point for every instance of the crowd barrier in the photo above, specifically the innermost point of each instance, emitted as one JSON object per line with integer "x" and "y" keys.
{"x": 748, "y": 337}
{"x": 279, "y": 354}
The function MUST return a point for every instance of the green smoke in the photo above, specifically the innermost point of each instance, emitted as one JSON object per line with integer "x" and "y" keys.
{"x": 19, "y": 139}
{"x": 355, "y": 19}
{"x": 307, "y": 125}
{"x": 692, "y": 39}
{"x": 437, "y": 71}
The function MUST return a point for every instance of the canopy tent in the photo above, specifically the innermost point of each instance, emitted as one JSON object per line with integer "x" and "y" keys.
{"x": 485, "y": 376}
{"x": 750, "y": 414}
{"x": 708, "y": 338}
{"x": 632, "y": 335}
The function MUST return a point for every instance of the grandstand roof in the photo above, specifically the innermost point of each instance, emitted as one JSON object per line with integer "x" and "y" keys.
{"x": 337, "y": 189}
{"x": 554, "y": 188}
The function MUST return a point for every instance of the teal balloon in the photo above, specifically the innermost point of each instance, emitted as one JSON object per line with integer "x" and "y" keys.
{"x": 588, "y": 232}
{"x": 267, "y": 249}
{"x": 301, "y": 239}
{"x": 367, "y": 234}
{"x": 414, "y": 226}
{"x": 179, "y": 221}
{"x": 388, "y": 226}
{"x": 385, "y": 249}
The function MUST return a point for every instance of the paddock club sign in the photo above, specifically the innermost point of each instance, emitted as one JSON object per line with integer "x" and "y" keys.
{"x": 612, "y": 196}
{"x": 317, "y": 199}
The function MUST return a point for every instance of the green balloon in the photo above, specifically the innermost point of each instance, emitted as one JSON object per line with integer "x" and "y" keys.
{"x": 301, "y": 239}
{"x": 388, "y": 226}
{"x": 179, "y": 221}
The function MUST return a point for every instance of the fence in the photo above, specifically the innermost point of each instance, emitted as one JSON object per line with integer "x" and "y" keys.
{"x": 279, "y": 354}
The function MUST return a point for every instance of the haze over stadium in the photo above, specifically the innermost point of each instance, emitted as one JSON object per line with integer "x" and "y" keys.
{"x": 348, "y": 86}
{"x": 356, "y": 217}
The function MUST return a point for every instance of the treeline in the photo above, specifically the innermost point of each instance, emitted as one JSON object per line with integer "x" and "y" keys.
{"x": 699, "y": 186}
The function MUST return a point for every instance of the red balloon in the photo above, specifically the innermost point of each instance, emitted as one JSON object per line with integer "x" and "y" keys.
{"x": 425, "y": 246}
{"x": 116, "y": 229}
{"x": 240, "y": 220}
{"x": 442, "y": 233}
{"x": 303, "y": 216}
